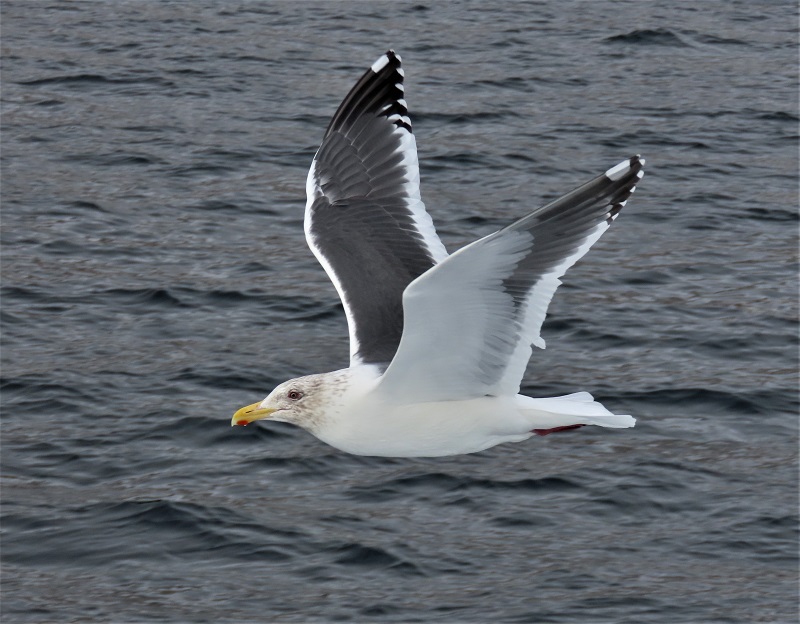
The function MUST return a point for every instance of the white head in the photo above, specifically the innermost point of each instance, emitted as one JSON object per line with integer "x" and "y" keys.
{"x": 302, "y": 402}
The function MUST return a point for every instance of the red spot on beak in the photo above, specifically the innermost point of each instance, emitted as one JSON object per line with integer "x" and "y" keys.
{"x": 242, "y": 423}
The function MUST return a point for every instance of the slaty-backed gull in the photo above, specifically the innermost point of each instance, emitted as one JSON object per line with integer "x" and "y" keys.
{"x": 438, "y": 343}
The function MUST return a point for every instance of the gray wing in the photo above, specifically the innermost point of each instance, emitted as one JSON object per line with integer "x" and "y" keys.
{"x": 470, "y": 321}
{"x": 365, "y": 220}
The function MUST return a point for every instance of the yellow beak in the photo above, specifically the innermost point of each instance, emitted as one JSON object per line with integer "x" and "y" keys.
{"x": 249, "y": 413}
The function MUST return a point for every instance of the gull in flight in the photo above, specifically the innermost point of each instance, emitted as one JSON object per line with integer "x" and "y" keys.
{"x": 438, "y": 342}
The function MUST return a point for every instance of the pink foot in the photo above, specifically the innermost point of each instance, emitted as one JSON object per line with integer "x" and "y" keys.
{"x": 544, "y": 432}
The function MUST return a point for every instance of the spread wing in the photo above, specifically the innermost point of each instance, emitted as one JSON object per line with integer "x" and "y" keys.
{"x": 365, "y": 220}
{"x": 470, "y": 321}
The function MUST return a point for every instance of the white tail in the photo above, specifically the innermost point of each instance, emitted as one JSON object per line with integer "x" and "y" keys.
{"x": 579, "y": 408}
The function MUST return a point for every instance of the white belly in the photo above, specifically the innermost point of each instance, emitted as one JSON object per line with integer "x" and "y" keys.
{"x": 426, "y": 429}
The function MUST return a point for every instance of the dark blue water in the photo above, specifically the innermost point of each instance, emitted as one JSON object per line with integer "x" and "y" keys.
{"x": 155, "y": 278}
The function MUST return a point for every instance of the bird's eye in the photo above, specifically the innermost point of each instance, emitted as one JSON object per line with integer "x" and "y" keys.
{"x": 294, "y": 395}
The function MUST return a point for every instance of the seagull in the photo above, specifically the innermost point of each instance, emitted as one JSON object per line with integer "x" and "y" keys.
{"x": 438, "y": 342}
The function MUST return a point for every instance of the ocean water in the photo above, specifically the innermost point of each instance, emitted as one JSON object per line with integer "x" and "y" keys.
{"x": 155, "y": 278}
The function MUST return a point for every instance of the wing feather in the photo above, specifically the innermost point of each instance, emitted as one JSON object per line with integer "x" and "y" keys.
{"x": 365, "y": 220}
{"x": 470, "y": 321}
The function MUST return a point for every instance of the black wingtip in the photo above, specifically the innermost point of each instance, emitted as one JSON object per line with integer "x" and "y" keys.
{"x": 633, "y": 165}
{"x": 388, "y": 66}
{"x": 380, "y": 91}
{"x": 637, "y": 164}
{"x": 627, "y": 174}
